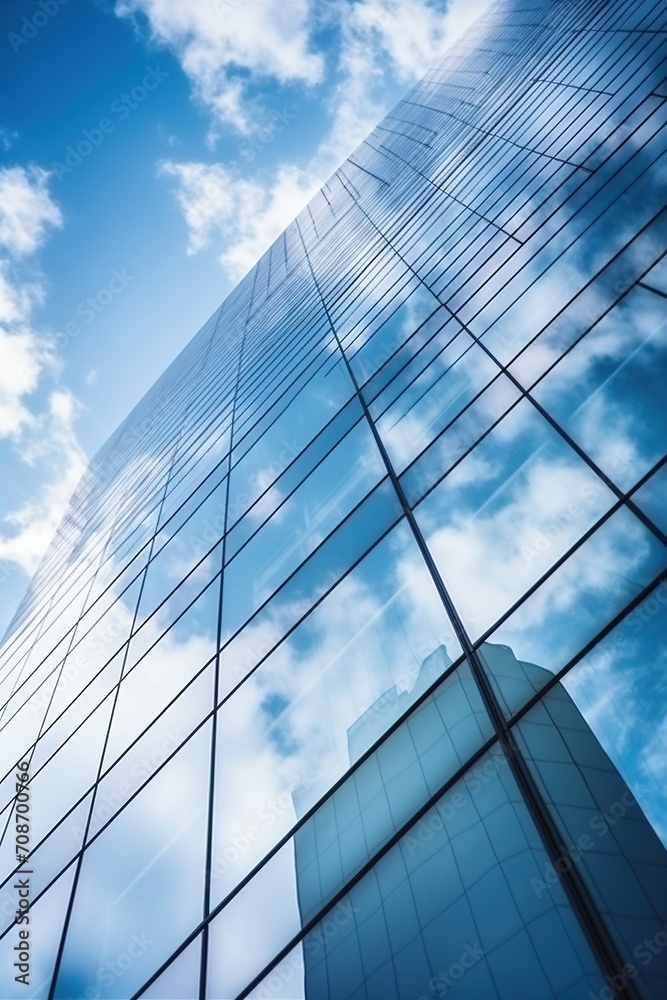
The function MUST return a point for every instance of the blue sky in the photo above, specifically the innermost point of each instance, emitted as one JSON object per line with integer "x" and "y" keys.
{"x": 150, "y": 151}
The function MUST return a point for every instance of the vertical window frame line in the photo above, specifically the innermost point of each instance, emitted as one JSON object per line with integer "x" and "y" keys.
{"x": 602, "y": 944}
{"x": 32, "y": 749}
{"x": 208, "y": 857}
{"x": 57, "y": 963}
{"x": 100, "y": 554}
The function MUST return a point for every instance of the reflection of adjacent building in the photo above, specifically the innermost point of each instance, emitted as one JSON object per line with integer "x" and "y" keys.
{"x": 622, "y": 861}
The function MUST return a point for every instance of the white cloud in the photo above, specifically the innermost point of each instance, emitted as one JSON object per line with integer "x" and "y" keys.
{"x": 52, "y": 443}
{"x": 24, "y": 357}
{"x": 461, "y": 14}
{"x": 381, "y": 41}
{"x": 411, "y": 34}
{"x": 8, "y": 137}
{"x": 40, "y": 434}
{"x": 241, "y": 213}
{"x": 219, "y": 44}
{"x": 27, "y": 211}
{"x": 16, "y": 301}
{"x": 491, "y": 557}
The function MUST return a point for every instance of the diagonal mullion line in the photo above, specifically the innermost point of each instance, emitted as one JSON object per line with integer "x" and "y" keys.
{"x": 604, "y": 947}
{"x": 210, "y": 820}
{"x": 79, "y": 861}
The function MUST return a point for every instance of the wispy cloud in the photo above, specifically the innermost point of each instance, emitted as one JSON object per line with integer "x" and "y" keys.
{"x": 40, "y": 432}
{"x": 8, "y": 137}
{"x": 378, "y": 42}
{"x": 225, "y": 48}
{"x": 27, "y": 211}
{"x": 52, "y": 442}
{"x": 243, "y": 215}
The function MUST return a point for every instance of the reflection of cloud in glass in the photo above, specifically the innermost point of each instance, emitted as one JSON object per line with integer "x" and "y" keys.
{"x": 608, "y": 391}
{"x": 286, "y": 726}
{"x": 620, "y": 688}
{"x": 506, "y": 513}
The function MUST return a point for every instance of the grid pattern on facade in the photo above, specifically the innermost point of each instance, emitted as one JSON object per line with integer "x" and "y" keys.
{"x": 342, "y": 676}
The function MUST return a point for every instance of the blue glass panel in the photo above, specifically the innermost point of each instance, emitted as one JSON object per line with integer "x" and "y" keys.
{"x": 608, "y": 391}
{"x": 571, "y": 607}
{"x": 139, "y": 877}
{"x": 487, "y": 522}
{"x": 324, "y": 696}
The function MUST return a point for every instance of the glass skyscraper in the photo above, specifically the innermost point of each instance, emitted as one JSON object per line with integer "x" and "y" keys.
{"x": 344, "y": 677}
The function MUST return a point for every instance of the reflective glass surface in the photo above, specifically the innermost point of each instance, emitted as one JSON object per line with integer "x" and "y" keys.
{"x": 343, "y": 677}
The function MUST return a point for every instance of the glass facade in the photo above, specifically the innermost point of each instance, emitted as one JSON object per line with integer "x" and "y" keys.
{"x": 344, "y": 675}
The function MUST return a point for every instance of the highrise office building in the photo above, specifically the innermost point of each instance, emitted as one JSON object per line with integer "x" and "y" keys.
{"x": 344, "y": 675}
{"x": 437, "y": 855}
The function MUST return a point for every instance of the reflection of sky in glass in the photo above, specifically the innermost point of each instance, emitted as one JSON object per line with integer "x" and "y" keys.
{"x": 492, "y": 284}
{"x": 286, "y": 726}
{"x": 507, "y": 512}
{"x": 608, "y": 392}
{"x": 410, "y": 916}
{"x": 628, "y": 669}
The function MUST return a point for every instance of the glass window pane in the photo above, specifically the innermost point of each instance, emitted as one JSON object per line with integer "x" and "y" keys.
{"x": 175, "y": 556}
{"x": 285, "y": 982}
{"x": 650, "y": 498}
{"x": 325, "y": 695}
{"x": 458, "y": 438}
{"x": 158, "y": 668}
{"x": 371, "y": 519}
{"x": 506, "y": 513}
{"x": 426, "y": 917}
{"x": 292, "y": 426}
{"x": 180, "y": 980}
{"x": 142, "y": 755}
{"x": 72, "y": 768}
{"x": 568, "y": 610}
{"x": 416, "y": 352}
{"x": 626, "y": 668}
{"x": 46, "y": 920}
{"x": 381, "y": 337}
{"x": 151, "y": 855}
{"x": 595, "y": 769}
{"x": 361, "y": 815}
{"x": 288, "y": 537}
{"x": 608, "y": 392}
{"x": 278, "y": 485}
{"x": 422, "y": 411}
